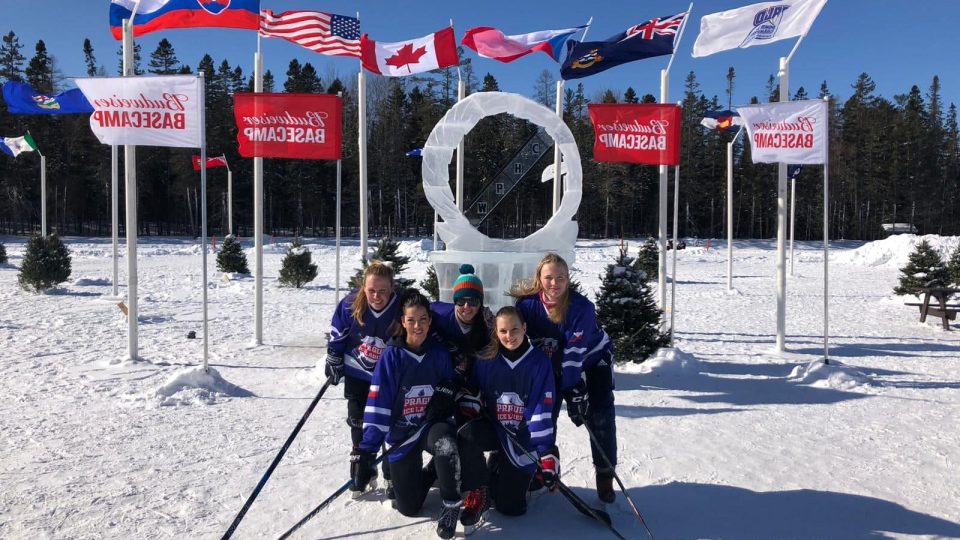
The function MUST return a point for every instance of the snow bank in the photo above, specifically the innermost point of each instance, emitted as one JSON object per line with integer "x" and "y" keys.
{"x": 895, "y": 250}
{"x": 833, "y": 375}
{"x": 91, "y": 282}
{"x": 667, "y": 361}
{"x": 192, "y": 386}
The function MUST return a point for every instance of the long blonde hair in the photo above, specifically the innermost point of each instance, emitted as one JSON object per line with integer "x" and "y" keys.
{"x": 493, "y": 347}
{"x": 376, "y": 269}
{"x": 534, "y": 287}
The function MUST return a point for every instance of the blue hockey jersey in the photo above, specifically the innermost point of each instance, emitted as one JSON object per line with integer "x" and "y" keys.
{"x": 449, "y": 329}
{"x": 517, "y": 391}
{"x": 401, "y": 388}
{"x": 573, "y": 346}
{"x": 361, "y": 345}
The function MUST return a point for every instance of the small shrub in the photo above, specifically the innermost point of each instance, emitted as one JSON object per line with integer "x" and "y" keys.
{"x": 430, "y": 284}
{"x": 387, "y": 251}
{"x": 953, "y": 267}
{"x": 648, "y": 259}
{"x": 3, "y": 254}
{"x": 46, "y": 263}
{"x": 231, "y": 257}
{"x": 925, "y": 268}
{"x": 297, "y": 269}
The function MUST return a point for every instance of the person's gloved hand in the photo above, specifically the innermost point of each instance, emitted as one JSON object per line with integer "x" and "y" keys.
{"x": 578, "y": 406}
{"x": 550, "y": 470}
{"x": 334, "y": 367}
{"x": 361, "y": 468}
{"x": 442, "y": 403}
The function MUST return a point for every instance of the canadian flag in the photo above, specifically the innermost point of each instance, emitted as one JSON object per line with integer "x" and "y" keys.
{"x": 433, "y": 51}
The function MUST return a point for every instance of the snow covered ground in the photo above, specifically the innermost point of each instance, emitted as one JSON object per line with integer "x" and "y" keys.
{"x": 719, "y": 438}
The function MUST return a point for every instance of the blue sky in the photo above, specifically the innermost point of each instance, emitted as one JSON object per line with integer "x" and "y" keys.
{"x": 849, "y": 37}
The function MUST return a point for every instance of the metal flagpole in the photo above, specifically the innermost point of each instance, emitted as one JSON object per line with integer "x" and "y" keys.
{"x": 336, "y": 276}
{"x": 258, "y": 213}
{"x": 362, "y": 141}
{"x": 793, "y": 217}
{"x": 43, "y": 194}
{"x": 203, "y": 213}
{"x": 673, "y": 276}
{"x": 114, "y": 213}
{"x": 229, "y": 197}
{"x": 730, "y": 209}
{"x": 826, "y": 244}
{"x": 130, "y": 188}
{"x": 461, "y": 94}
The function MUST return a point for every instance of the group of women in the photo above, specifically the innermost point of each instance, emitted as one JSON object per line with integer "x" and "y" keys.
{"x": 480, "y": 393}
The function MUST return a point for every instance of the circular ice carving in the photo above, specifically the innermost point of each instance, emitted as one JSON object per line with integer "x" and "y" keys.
{"x": 559, "y": 233}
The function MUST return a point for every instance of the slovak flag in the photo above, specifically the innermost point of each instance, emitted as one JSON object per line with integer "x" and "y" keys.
{"x": 219, "y": 161}
{"x": 433, "y": 51}
{"x": 491, "y": 43}
{"x": 153, "y": 15}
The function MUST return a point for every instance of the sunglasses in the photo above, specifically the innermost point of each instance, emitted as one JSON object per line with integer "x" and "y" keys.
{"x": 472, "y": 302}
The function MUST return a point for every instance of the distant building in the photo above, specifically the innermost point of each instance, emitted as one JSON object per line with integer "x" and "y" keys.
{"x": 898, "y": 228}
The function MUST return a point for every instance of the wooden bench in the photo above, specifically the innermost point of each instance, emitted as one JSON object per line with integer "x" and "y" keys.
{"x": 940, "y": 308}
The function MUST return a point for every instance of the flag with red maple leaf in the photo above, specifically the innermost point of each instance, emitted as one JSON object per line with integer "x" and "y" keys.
{"x": 433, "y": 51}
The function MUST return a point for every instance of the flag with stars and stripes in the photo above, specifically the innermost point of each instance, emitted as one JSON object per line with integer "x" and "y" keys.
{"x": 323, "y": 33}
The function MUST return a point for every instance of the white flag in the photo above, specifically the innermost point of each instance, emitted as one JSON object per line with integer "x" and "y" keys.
{"x": 146, "y": 111}
{"x": 789, "y": 132}
{"x": 756, "y": 24}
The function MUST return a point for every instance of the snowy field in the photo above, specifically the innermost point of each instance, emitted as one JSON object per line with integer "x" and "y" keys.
{"x": 719, "y": 438}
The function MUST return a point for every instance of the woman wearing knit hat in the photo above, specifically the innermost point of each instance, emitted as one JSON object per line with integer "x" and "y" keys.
{"x": 463, "y": 323}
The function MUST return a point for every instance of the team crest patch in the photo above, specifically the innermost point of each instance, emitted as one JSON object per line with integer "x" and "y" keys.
{"x": 510, "y": 409}
{"x": 765, "y": 24}
{"x": 214, "y": 7}
{"x": 415, "y": 402}
{"x": 46, "y": 102}
{"x": 587, "y": 60}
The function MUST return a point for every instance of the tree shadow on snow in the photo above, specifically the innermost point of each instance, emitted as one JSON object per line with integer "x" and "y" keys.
{"x": 902, "y": 350}
{"x": 688, "y": 510}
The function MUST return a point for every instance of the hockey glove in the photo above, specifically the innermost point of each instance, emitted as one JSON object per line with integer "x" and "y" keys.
{"x": 578, "y": 406}
{"x": 442, "y": 404}
{"x": 334, "y": 368}
{"x": 550, "y": 470}
{"x": 361, "y": 468}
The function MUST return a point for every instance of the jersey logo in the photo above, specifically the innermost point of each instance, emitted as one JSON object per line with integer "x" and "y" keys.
{"x": 547, "y": 345}
{"x": 576, "y": 338}
{"x": 510, "y": 409}
{"x": 415, "y": 402}
{"x": 369, "y": 351}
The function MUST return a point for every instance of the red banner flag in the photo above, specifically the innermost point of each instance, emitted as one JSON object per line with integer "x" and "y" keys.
{"x": 212, "y": 162}
{"x": 301, "y": 126}
{"x": 647, "y": 133}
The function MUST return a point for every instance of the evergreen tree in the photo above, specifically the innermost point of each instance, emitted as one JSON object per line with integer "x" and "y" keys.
{"x": 3, "y": 257}
{"x": 627, "y": 312}
{"x": 89, "y": 59}
{"x": 11, "y": 59}
{"x": 953, "y": 267}
{"x": 231, "y": 257}
{"x": 385, "y": 252}
{"x": 40, "y": 70}
{"x": 163, "y": 60}
{"x": 925, "y": 268}
{"x": 46, "y": 263}
{"x": 297, "y": 268}
{"x": 648, "y": 259}
{"x": 429, "y": 284}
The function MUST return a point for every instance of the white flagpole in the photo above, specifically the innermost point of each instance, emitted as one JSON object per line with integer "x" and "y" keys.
{"x": 336, "y": 277}
{"x": 730, "y": 209}
{"x": 43, "y": 194}
{"x": 793, "y": 217}
{"x": 557, "y": 176}
{"x": 362, "y": 141}
{"x": 826, "y": 243}
{"x": 673, "y": 276}
{"x": 258, "y": 213}
{"x": 662, "y": 208}
{"x": 203, "y": 213}
{"x": 114, "y": 213}
{"x": 229, "y": 197}
{"x": 781, "y": 268}
{"x": 130, "y": 175}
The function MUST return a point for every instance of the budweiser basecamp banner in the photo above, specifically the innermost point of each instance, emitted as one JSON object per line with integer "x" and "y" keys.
{"x": 146, "y": 111}
{"x": 636, "y": 133}
{"x": 301, "y": 126}
{"x": 788, "y": 132}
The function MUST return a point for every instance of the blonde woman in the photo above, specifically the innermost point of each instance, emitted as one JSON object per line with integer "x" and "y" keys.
{"x": 563, "y": 324}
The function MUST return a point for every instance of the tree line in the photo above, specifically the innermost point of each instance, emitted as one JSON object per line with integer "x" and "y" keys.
{"x": 891, "y": 161}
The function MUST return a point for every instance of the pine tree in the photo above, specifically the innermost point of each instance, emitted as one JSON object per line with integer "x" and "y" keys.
{"x": 429, "y": 284}
{"x": 648, "y": 259}
{"x": 231, "y": 258}
{"x": 627, "y": 312}
{"x": 925, "y": 268}
{"x": 953, "y": 266}
{"x": 297, "y": 268}
{"x": 46, "y": 263}
{"x": 3, "y": 255}
{"x": 386, "y": 252}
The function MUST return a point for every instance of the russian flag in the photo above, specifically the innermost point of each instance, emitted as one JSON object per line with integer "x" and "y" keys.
{"x": 156, "y": 15}
{"x": 491, "y": 43}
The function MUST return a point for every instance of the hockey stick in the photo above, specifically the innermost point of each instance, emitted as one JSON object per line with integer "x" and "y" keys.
{"x": 578, "y": 503}
{"x": 276, "y": 461}
{"x": 326, "y": 502}
{"x": 633, "y": 505}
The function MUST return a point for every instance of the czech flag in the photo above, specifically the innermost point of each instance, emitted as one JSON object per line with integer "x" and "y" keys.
{"x": 154, "y": 15}
{"x": 491, "y": 43}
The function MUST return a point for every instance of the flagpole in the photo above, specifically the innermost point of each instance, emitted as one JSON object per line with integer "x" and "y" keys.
{"x": 730, "y": 209}
{"x": 229, "y": 196}
{"x": 557, "y": 158}
{"x": 826, "y": 242}
{"x": 114, "y": 213}
{"x": 43, "y": 193}
{"x": 258, "y": 213}
{"x": 793, "y": 217}
{"x": 130, "y": 189}
{"x": 362, "y": 141}
{"x": 203, "y": 213}
{"x": 461, "y": 94}
{"x": 673, "y": 276}
{"x": 781, "y": 269}
{"x": 336, "y": 276}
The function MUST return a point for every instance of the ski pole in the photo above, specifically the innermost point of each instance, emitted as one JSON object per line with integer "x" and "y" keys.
{"x": 577, "y": 502}
{"x": 276, "y": 461}
{"x": 347, "y": 485}
{"x": 633, "y": 505}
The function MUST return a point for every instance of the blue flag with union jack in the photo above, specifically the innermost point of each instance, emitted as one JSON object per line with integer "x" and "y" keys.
{"x": 655, "y": 37}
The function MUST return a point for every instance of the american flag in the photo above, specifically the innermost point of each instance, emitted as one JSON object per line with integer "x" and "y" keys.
{"x": 324, "y": 33}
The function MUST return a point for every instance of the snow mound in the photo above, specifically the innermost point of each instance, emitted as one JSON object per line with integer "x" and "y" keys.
{"x": 833, "y": 375}
{"x": 667, "y": 361}
{"x": 192, "y": 386}
{"x": 90, "y": 282}
{"x": 895, "y": 250}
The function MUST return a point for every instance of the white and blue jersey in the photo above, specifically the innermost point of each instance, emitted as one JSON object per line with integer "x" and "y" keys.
{"x": 575, "y": 345}
{"x": 361, "y": 345}
{"x": 515, "y": 391}
{"x": 400, "y": 391}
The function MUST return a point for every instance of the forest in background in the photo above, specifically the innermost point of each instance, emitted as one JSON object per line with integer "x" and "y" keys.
{"x": 890, "y": 161}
